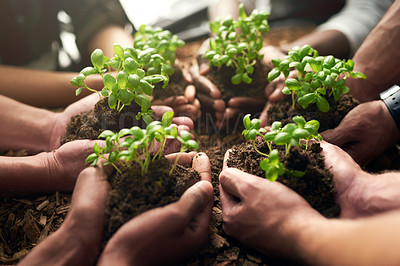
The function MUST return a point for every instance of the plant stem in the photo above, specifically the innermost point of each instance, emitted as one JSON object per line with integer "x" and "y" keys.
{"x": 257, "y": 150}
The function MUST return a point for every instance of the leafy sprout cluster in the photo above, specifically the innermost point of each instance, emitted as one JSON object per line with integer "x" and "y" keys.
{"x": 237, "y": 43}
{"x": 289, "y": 136}
{"x": 125, "y": 78}
{"x": 135, "y": 145}
{"x": 164, "y": 43}
{"x": 317, "y": 76}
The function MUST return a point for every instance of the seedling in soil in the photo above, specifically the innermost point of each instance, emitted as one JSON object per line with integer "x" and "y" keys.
{"x": 317, "y": 76}
{"x": 164, "y": 43}
{"x": 237, "y": 43}
{"x": 124, "y": 77}
{"x": 135, "y": 145}
{"x": 289, "y": 135}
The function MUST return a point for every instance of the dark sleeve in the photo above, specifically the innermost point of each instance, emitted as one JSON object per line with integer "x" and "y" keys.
{"x": 90, "y": 16}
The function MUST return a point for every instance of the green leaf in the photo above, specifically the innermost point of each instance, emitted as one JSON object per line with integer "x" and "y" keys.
{"x": 88, "y": 71}
{"x": 98, "y": 59}
{"x": 322, "y": 104}
{"x": 246, "y": 78}
{"x": 112, "y": 100}
{"x": 167, "y": 118}
{"x": 104, "y": 92}
{"x": 185, "y": 135}
{"x": 307, "y": 99}
{"x": 300, "y": 133}
{"x": 78, "y": 91}
{"x": 192, "y": 144}
{"x": 357, "y": 75}
{"x": 130, "y": 65}
{"x": 282, "y": 138}
{"x": 146, "y": 87}
{"x": 122, "y": 79}
{"x": 242, "y": 12}
{"x": 105, "y": 134}
{"x": 293, "y": 84}
{"x": 109, "y": 81}
{"x": 286, "y": 91}
{"x": 276, "y": 125}
{"x": 125, "y": 96}
{"x": 134, "y": 80}
{"x": 118, "y": 50}
{"x": 273, "y": 74}
{"x": 247, "y": 121}
{"x": 236, "y": 79}
{"x": 78, "y": 80}
{"x": 92, "y": 158}
{"x": 143, "y": 101}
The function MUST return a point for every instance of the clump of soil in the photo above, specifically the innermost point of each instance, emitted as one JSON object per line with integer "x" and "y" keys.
{"x": 283, "y": 111}
{"x": 221, "y": 77}
{"x": 175, "y": 87}
{"x": 89, "y": 125}
{"x": 316, "y": 186}
{"x": 133, "y": 194}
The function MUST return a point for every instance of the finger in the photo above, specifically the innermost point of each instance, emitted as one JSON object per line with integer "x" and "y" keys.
{"x": 226, "y": 157}
{"x": 195, "y": 199}
{"x": 337, "y": 136}
{"x": 203, "y": 84}
{"x": 184, "y": 158}
{"x": 190, "y": 93}
{"x": 204, "y": 66}
{"x": 277, "y": 96}
{"x": 159, "y": 110}
{"x": 230, "y": 113}
{"x": 171, "y": 101}
{"x": 232, "y": 179}
{"x": 186, "y": 75}
{"x": 264, "y": 115}
{"x": 239, "y": 102}
{"x": 188, "y": 110}
{"x": 184, "y": 120}
{"x": 202, "y": 165}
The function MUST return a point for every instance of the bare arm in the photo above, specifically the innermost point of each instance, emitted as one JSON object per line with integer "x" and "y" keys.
{"x": 378, "y": 58}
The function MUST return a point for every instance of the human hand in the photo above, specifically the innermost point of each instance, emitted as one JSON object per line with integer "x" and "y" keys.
{"x": 172, "y": 232}
{"x": 208, "y": 94}
{"x": 65, "y": 163}
{"x": 273, "y": 90}
{"x": 187, "y": 104}
{"x": 365, "y": 132}
{"x": 277, "y": 212}
{"x": 77, "y": 241}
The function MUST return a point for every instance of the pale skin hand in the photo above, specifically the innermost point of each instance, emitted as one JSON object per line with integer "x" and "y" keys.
{"x": 365, "y": 132}
{"x": 284, "y": 224}
{"x": 174, "y": 231}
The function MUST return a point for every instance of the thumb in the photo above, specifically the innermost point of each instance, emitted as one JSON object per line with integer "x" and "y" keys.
{"x": 195, "y": 199}
{"x": 335, "y": 136}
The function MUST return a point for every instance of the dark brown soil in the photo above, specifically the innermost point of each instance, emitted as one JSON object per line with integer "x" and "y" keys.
{"x": 283, "y": 111}
{"x": 316, "y": 186}
{"x": 89, "y": 125}
{"x": 175, "y": 87}
{"x": 132, "y": 194}
{"x": 221, "y": 77}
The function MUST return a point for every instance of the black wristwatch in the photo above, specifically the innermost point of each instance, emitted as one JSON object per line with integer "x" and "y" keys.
{"x": 391, "y": 97}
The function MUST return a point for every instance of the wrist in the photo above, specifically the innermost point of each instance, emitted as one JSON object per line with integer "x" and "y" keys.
{"x": 391, "y": 98}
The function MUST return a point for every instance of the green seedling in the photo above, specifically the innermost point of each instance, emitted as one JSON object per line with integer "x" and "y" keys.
{"x": 317, "y": 76}
{"x": 289, "y": 135}
{"x": 237, "y": 43}
{"x": 135, "y": 145}
{"x": 124, "y": 77}
{"x": 164, "y": 43}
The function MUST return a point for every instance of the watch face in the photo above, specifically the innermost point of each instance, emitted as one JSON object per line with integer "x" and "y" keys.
{"x": 389, "y": 92}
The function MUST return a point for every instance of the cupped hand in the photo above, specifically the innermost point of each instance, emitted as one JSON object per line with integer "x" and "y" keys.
{"x": 365, "y": 132}
{"x": 84, "y": 221}
{"x": 172, "y": 232}
{"x": 183, "y": 105}
{"x": 262, "y": 214}
{"x": 208, "y": 94}
{"x": 63, "y": 118}
{"x": 65, "y": 163}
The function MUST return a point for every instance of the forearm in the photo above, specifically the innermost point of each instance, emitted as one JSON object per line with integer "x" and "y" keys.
{"x": 224, "y": 8}
{"x": 378, "y": 58}
{"x": 41, "y": 88}
{"x": 330, "y": 42}
{"x": 25, "y": 175}
{"x": 367, "y": 241}
{"x": 27, "y": 127}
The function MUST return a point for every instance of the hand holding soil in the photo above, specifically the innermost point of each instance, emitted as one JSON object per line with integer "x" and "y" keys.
{"x": 365, "y": 132}
{"x": 276, "y": 211}
{"x": 171, "y": 232}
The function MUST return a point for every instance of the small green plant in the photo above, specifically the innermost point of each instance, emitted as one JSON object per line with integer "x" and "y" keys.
{"x": 135, "y": 145}
{"x": 164, "y": 43}
{"x": 237, "y": 43}
{"x": 124, "y": 77}
{"x": 289, "y": 135}
{"x": 317, "y": 76}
